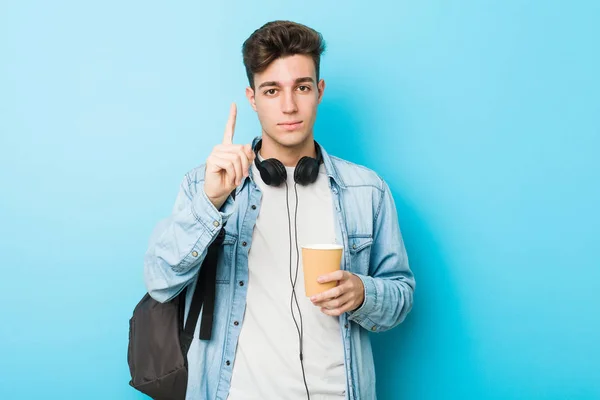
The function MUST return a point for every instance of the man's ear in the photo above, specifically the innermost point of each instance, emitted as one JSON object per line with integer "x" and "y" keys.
{"x": 250, "y": 97}
{"x": 321, "y": 88}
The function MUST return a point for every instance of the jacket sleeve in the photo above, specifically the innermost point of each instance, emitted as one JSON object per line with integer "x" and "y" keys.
{"x": 179, "y": 243}
{"x": 390, "y": 284}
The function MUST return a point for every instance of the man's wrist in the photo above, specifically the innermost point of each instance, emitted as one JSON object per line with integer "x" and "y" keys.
{"x": 361, "y": 291}
{"x": 217, "y": 201}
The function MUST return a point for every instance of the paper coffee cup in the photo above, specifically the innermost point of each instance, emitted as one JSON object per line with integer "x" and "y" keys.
{"x": 317, "y": 260}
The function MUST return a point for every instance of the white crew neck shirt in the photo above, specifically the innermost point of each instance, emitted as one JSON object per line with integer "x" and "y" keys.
{"x": 267, "y": 364}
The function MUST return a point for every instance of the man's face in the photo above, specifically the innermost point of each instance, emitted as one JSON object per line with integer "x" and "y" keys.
{"x": 286, "y": 97}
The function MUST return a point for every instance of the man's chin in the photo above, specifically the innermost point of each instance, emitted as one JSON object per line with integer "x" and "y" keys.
{"x": 289, "y": 139}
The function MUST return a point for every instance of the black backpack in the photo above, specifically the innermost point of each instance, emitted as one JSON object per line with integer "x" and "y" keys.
{"x": 158, "y": 341}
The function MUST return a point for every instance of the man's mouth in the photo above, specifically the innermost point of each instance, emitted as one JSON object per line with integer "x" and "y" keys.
{"x": 290, "y": 125}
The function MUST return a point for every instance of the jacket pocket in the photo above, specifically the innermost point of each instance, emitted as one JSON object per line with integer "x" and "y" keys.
{"x": 360, "y": 252}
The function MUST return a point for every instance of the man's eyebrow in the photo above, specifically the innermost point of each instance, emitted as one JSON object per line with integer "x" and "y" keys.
{"x": 305, "y": 79}
{"x": 275, "y": 83}
{"x": 268, "y": 83}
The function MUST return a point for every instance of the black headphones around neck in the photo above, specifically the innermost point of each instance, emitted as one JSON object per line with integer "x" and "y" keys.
{"x": 273, "y": 173}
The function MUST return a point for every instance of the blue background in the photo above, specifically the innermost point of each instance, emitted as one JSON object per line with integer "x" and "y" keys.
{"x": 483, "y": 116}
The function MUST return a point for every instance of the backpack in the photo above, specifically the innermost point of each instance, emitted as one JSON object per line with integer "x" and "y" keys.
{"x": 158, "y": 340}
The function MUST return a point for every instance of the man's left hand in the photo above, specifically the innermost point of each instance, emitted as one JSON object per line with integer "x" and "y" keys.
{"x": 348, "y": 295}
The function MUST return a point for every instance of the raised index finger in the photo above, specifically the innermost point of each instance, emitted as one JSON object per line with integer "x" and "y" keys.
{"x": 230, "y": 127}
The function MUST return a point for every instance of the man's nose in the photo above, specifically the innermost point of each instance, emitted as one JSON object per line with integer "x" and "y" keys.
{"x": 288, "y": 105}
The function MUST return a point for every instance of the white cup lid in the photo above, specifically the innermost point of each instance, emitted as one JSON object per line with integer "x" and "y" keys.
{"x": 323, "y": 246}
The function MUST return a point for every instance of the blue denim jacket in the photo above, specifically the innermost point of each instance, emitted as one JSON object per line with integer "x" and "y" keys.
{"x": 367, "y": 226}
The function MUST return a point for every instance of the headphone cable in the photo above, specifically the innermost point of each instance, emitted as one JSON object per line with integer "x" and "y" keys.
{"x": 294, "y": 298}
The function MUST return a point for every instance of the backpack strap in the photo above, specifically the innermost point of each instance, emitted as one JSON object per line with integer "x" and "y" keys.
{"x": 204, "y": 295}
{"x": 209, "y": 289}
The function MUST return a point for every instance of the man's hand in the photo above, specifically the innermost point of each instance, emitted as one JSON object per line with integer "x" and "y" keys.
{"x": 348, "y": 295}
{"x": 227, "y": 164}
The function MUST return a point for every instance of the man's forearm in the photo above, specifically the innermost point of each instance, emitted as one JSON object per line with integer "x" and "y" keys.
{"x": 179, "y": 243}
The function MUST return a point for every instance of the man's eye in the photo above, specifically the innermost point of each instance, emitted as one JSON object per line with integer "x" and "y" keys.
{"x": 303, "y": 88}
{"x": 270, "y": 92}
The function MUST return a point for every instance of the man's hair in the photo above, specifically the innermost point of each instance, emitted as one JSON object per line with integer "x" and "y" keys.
{"x": 280, "y": 39}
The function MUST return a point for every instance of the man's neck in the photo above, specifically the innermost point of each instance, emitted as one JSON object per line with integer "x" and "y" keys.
{"x": 289, "y": 156}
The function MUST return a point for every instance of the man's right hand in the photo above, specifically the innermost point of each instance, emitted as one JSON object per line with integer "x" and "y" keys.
{"x": 227, "y": 165}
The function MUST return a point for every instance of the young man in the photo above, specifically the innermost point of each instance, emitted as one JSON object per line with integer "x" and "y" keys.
{"x": 270, "y": 341}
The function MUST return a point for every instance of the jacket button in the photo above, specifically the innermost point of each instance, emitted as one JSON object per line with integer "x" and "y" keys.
{"x": 236, "y": 323}
{"x": 374, "y": 329}
{"x": 227, "y": 362}
{"x": 216, "y": 223}
{"x": 253, "y": 207}
{"x": 346, "y": 326}
{"x": 195, "y": 253}
{"x": 244, "y": 244}
{"x": 354, "y": 246}
{"x": 241, "y": 283}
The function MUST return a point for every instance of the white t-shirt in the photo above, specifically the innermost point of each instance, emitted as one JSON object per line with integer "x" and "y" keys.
{"x": 267, "y": 364}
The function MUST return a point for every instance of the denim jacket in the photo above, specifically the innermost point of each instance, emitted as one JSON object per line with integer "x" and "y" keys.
{"x": 366, "y": 225}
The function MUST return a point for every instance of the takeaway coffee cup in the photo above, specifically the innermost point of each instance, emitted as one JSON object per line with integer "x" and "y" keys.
{"x": 317, "y": 260}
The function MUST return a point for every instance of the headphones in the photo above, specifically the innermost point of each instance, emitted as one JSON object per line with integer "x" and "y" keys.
{"x": 273, "y": 173}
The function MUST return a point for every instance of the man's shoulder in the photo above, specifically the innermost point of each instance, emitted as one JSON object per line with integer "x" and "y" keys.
{"x": 354, "y": 175}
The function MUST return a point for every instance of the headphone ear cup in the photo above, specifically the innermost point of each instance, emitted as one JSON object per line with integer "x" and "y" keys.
{"x": 307, "y": 171}
{"x": 272, "y": 172}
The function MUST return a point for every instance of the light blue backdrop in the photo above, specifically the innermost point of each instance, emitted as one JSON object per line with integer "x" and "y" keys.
{"x": 483, "y": 116}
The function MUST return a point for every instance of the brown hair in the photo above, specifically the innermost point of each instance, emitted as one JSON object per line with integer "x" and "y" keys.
{"x": 280, "y": 39}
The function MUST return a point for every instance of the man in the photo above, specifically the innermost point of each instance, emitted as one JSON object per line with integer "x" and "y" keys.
{"x": 270, "y": 341}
